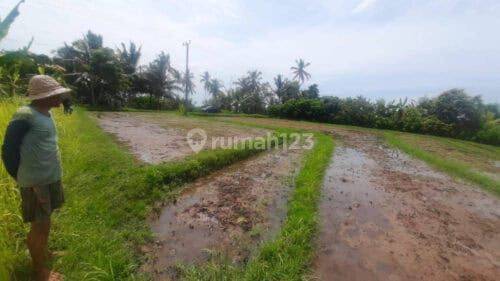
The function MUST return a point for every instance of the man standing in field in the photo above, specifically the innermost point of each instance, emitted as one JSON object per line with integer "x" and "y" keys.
{"x": 31, "y": 156}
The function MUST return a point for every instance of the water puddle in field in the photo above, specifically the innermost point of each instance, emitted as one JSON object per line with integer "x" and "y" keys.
{"x": 386, "y": 216}
{"x": 230, "y": 212}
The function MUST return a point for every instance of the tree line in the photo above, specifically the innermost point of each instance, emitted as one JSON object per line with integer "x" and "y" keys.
{"x": 100, "y": 76}
{"x": 112, "y": 78}
{"x": 250, "y": 94}
{"x": 452, "y": 113}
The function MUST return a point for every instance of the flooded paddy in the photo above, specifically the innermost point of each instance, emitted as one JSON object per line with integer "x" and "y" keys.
{"x": 385, "y": 216}
{"x": 229, "y": 212}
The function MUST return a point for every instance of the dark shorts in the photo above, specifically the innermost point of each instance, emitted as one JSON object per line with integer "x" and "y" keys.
{"x": 38, "y": 202}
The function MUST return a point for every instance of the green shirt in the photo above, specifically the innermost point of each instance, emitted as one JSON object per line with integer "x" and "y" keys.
{"x": 40, "y": 161}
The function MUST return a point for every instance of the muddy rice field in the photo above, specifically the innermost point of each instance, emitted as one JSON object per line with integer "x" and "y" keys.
{"x": 155, "y": 138}
{"x": 382, "y": 216}
{"x": 385, "y": 216}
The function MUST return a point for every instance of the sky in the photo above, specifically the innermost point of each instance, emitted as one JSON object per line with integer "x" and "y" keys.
{"x": 376, "y": 48}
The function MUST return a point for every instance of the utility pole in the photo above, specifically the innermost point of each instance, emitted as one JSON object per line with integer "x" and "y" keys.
{"x": 186, "y": 75}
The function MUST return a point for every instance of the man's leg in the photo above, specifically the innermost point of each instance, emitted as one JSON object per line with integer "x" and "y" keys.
{"x": 37, "y": 244}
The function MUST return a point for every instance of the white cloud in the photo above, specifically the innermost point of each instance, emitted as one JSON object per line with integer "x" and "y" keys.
{"x": 425, "y": 47}
{"x": 363, "y": 6}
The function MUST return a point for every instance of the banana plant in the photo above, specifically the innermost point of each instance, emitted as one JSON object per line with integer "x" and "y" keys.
{"x": 9, "y": 19}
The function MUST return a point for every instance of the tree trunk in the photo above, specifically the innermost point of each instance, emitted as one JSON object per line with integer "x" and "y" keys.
{"x": 92, "y": 94}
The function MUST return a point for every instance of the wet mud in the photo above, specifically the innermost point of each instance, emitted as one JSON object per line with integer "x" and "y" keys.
{"x": 149, "y": 142}
{"x": 229, "y": 212}
{"x": 385, "y": 216}
{"x": 154, "y": 138}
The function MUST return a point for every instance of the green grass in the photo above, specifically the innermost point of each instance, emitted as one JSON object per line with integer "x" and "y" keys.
{"x": 12, "y": 229}
{"x": 288, "y": 256}
{"x": 452, "y": 167}
{"x": 108, "y": 198}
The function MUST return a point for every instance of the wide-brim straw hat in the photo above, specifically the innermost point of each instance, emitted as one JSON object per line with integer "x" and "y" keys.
{"x": 44, "y": 86}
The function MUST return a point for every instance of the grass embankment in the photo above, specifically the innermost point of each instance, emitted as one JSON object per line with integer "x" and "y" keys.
{"x": 108, "y": 197}
{"x": 457, "y": 158}
{"x": 288, "y": 256}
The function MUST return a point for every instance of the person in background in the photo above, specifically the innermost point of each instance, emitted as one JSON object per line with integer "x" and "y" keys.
{"x": 31, "y": 156}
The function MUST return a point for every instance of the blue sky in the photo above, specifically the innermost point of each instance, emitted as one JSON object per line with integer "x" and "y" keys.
{"x": 376, "y": 48}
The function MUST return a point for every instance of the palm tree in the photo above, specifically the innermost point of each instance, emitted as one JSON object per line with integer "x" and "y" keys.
{"x": 162, "y": 78}
{"x": 79, "y": 57}
{"x": 250, "y": 93}
{"x": 300, "y": 72}
{"x": 280, "y": 83}
{"x": 254, "y": 78}
{"x": 206, "y": 80}
{"x": 90, "y": 42}
{"x": 129, "y": 58}
{"x": 215, "y": 87}
{"x": 106, "y": 70}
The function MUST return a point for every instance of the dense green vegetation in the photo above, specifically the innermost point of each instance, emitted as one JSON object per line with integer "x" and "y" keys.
{"x": 451, "y": 114}
{"x": 99, "y": 76}
{"x": 11, "y": 228}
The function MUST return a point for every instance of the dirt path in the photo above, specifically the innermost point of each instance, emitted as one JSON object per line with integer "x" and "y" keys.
{"x": 229, "y": 212}
{"x": 385, "y": 216}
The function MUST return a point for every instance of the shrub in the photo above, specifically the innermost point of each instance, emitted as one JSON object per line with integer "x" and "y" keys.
{"x": 303, "y": 109}
{"x": 275, "y": 110}
{"x": 412, "y": 120}
{"x": 381, "y": 122}
{"x": 356, "y": 111}
{"x": 464, "y": 112}
{"x": 490, "y": 134}
{"x": 143, "y": 102}
{"x": 451, "y": 114}
{"x": 433, "y": 126}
